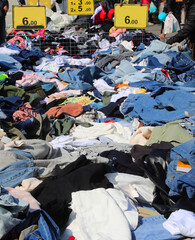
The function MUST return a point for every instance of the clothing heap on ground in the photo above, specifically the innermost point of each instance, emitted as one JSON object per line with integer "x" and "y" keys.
{"x": 97, "y": 148}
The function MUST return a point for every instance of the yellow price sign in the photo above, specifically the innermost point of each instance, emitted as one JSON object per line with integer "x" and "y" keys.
{"x": 130, "y": 16}
{"x": 28, "y": 17}
{"x": 80, "y": 7}
{"x": 46, "y": 3}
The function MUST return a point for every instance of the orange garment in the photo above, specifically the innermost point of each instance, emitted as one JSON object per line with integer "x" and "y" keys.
{"x": 120, "y": 85}
{"x": 72, "y": 109}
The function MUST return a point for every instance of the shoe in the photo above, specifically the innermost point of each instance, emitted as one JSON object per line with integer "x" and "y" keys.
{"x": 150, "y": 24}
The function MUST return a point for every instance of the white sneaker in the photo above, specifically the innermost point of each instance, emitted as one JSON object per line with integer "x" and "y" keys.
{"x": 150, "y": 24}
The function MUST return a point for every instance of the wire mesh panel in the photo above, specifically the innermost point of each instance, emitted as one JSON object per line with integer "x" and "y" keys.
{"x": 78, "y": 41}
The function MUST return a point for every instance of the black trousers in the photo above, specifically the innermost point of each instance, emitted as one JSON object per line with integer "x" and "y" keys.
{"x": 2, "y": 30}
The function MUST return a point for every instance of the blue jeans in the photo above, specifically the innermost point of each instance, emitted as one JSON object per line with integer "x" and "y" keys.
{"x": 187, "y": 76}
{"x": 13, "y": 174}
{"x": 124, "y": 69}
{"x": 10, "y": 209}
{"x": 2, "y": 115}
{"x": 189, "y": 124}
{"x": 160, "y": 107}
{"x": 82, "y": 79}
{"x": 182, "y": 183}
{"x": 181, "y": 63}
{"x": 30, "y": 53}
{"x": 47, "y": 228}
{"x": 156, "y": 46}
{"x": 9, "y": 63}
{"x": 22, "y": 153}
{"x": 153, "y": 63}
{"x": 150, "y": 85}
{"x": 162, "y": 58}
{"x": 151, "y": 228}
{"x": 9, "y": 105}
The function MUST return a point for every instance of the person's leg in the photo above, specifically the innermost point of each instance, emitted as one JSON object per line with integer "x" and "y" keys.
{"x": 193, "y": 49}
{"x": 2, "y": 30}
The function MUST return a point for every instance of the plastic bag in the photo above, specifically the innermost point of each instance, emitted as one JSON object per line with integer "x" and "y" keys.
{"x": 152, "y": 8}
{"x": 171, "y": 24}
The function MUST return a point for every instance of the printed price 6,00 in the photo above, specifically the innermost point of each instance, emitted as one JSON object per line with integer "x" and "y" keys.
{"x": 128, "y": 20}
{"x": 30, "y": 23}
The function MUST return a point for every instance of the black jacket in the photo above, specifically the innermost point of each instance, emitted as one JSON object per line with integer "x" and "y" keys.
{"x": 3, "y": 3}
{"x": 189, "y": 28}
{"x": 174, "y": 7}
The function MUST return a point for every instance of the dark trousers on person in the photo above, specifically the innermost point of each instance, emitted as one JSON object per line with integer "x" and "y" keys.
{"x": 2, "y": 30}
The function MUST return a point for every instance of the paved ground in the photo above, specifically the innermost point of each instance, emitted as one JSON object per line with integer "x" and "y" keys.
{"x": 156, "y": 29}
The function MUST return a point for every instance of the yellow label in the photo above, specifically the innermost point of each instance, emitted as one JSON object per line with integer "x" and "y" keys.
{"x": 46, "y": 3}
{"x": 130, "y": 16}
{"x": 28, "y": 17}
{"x": 80, "y": 7}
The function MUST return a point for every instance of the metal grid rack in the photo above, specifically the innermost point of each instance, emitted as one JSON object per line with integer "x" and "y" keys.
{"x": 81, "y": 43}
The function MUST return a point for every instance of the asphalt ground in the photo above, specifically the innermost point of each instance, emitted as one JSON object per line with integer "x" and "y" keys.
{"x": 156, "y": 30}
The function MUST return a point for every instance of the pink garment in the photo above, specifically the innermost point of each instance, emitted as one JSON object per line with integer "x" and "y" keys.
{"x": 117, "y": 32}
{"x": 141, "y": 136}
{"x": 29, "y": 79}
{"x": 146, "y": 2}
{"x": 33, "y": 203}
{"x": 67, "y": 93}
{"x": 39, "y": 33}
{"x": 21, "y": 41}
{"x": 24, "y": 113}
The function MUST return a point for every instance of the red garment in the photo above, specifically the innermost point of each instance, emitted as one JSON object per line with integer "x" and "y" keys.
{"x": 72, "y": 109}
{"x": 71, "y": 238}
{"x": 146, "y": 2}
{"x": 110, "y": 121}
{"x": 101, "y": 16}
{"x": 165, "y": 73}
{"x": 40, "y": 33}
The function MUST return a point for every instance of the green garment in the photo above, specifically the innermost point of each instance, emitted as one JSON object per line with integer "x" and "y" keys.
{"x": 41, "y": 129}
{"x": 9, "y": 90}
{"x": 11, "y": 132}
{"x": 171, "y": 132}
{"x": 33, "y": 98}
{"x": 106, "y": 97}
{"x": 3, "y": 76}
{"x": 63, "y": 126}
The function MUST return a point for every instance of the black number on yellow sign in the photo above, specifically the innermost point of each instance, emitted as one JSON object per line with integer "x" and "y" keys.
{"x": 26, "y": 22}
{"x": 129, "y": 21}
{"x": 80, "y": 2}
{"x": 88, "y": 3}
{"x": 88, "y": 9}
{"x": 80, "y": 8}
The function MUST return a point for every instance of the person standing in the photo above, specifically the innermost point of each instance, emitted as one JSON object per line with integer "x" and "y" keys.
{"x": 150, "y": 21}
{"x": 188, "y": 29}
{"x": 174, "y": 7}
{"x": 4, "y": 6}
{"x": 61, "y": 6}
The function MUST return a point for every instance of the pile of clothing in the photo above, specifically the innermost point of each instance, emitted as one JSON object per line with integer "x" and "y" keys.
{"x": 99, "y": 146}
